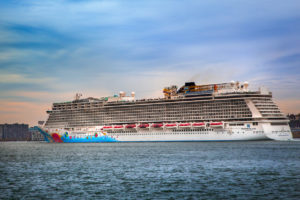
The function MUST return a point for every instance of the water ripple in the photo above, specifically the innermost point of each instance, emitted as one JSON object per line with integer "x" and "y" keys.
{"x": 215, "y": 170}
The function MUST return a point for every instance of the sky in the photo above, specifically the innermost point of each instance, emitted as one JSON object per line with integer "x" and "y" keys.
{"x": 51, "y": 50}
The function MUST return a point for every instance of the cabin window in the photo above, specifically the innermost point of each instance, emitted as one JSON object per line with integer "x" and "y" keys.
{"x": 279, "y": 124}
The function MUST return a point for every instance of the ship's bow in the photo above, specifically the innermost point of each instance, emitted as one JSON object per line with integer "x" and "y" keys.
{"x": 277, "y": 131}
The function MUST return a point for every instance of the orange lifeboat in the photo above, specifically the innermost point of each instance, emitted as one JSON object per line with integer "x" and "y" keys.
{"x": 143, "y": 125}
{"x": 157, "y": 125}
{"x": 171, "y": 125}
{"x": 199, "y": 124}
{"x": 118, "y": 126}
{"x": 130, "y": 126}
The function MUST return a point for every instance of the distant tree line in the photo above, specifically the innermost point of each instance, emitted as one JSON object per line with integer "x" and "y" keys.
{"x": 294, "y": 120}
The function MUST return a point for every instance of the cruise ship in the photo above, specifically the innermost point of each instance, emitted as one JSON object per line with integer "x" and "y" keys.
{"x": 214, "y": 112}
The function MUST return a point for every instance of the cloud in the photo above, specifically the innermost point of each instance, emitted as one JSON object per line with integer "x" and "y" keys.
{"x": 22, "y": 112}
{"x": 21, "y": 78}
{"x": 49, "y": 50}
{"x": 289, "y": 106}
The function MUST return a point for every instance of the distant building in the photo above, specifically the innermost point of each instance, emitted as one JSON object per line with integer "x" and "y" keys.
{"x": 41, "y": 123}
{"x": 35, "y": 135}
{"x": 14, "y": 132}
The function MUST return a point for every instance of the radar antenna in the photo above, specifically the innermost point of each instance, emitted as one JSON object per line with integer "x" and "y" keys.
{"x": 77, "y": 96}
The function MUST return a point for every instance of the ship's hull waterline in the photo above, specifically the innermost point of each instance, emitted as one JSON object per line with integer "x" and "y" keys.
{"x": 263, "y": 132}
{"x": 162, "y": 138}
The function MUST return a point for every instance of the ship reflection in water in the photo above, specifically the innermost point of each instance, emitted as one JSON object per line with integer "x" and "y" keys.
{"x": 186, "y": 170}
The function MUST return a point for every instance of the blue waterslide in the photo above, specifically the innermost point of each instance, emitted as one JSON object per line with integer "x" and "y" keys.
{"x": 46, "y": 135}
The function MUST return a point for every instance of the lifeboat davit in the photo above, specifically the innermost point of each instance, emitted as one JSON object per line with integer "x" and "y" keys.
{"x": 157, "y": 125}
{"x": 143, "y": 125}
{"x": 107, "y": 127}
{"x": 199, "y": 124}
{"x": 118, "y": 126}
{"x": 130, "y": 126}
{"x": 171, "y": 125}
{"x": 216, "y": 124}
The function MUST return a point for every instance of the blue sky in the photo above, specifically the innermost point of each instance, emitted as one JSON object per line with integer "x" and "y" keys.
{"x": 49, "y": 50}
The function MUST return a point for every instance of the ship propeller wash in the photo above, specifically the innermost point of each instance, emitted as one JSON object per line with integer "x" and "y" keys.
{"x": 215, "y": 112}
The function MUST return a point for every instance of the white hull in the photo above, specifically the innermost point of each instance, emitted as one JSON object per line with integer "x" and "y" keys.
{"x": 262, "y": 132}
{"x": 187, "y": 136}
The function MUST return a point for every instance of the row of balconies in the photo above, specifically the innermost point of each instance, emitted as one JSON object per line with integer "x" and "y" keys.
{"x": 61, "y": 118}
{"x": 100, "y": 104}
{"x": 158, "y": 108}
{"x": 87, "y": 120}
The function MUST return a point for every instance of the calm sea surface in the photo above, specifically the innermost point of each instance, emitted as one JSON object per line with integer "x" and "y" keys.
{"x": 194, "y": 170}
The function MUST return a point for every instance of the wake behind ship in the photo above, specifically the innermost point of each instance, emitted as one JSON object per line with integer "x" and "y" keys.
{"x": 215, "y": 112}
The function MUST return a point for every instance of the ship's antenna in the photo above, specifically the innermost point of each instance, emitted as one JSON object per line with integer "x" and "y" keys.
{"x": 77, "y": 96}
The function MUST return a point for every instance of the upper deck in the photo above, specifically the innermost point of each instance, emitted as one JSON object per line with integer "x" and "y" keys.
{"x": 107, "y": 102}
{"x": 219, "y": 105}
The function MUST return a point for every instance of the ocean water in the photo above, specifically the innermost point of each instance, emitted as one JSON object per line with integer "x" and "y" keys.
{"x": 191, "y": 170}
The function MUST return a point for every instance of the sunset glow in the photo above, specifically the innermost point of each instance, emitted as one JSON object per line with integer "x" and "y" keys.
{"x": 50, "y": 50}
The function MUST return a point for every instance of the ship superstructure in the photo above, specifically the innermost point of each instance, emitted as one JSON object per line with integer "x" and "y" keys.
{"x": 226, "y": 111}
